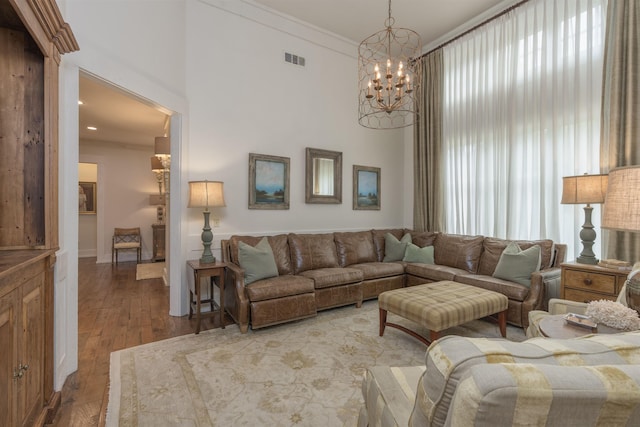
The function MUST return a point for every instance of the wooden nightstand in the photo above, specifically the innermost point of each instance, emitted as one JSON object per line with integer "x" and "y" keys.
{"x": 585, "y": 282}
{"x": 158, "y": 242}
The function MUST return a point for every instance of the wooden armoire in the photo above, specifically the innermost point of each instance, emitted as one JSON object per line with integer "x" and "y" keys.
{"x": 33, "y": 36}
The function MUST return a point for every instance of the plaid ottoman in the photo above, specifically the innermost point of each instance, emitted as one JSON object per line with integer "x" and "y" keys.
{"x": 441, "y": 305}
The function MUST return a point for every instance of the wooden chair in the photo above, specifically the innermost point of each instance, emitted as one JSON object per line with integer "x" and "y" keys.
{"x": 126, "y": 239}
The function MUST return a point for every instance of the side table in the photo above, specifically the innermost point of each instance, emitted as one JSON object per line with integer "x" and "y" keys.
{"x": 585, "y": 282}
{"x": 209, "y": 271}
{"x": 554, "y": 326}
{"x": 158, "y": 242}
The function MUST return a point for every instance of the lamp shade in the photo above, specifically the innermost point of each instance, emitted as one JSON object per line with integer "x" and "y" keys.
{"x": 162, "y": 146}
{"x": 584, "y": 189}
{"x": 156, "y": 164}
{"x": 204, "y": 194}
{"x": 622, "y": 205}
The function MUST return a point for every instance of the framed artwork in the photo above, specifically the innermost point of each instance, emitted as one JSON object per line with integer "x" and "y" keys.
{"x": 268, "y": 182}
{"x": 366, "y": 188}
{"x": 87, "y": 197}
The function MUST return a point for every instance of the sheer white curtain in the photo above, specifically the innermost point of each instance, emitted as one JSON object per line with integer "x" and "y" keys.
{"x": 522, "y": 110}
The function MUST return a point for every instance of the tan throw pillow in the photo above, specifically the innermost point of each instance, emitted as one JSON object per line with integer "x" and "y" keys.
{"x": 517, "y": 265}
{"x": 257, "y": 261}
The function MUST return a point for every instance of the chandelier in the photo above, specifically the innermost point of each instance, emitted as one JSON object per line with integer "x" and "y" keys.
{"x": 389, "y": 77}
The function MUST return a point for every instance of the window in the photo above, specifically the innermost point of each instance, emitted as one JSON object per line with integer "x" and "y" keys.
{"x": 522, "y": 110}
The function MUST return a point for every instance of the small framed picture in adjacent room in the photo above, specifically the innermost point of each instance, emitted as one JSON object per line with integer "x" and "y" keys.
{"x": 87, "y": 197}
{"x": 366, "y": 188}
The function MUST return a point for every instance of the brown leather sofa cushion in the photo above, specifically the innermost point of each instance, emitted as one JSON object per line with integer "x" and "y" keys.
{"x": 279, "y": 287}
{"x": 279, "y": 245}
{"x": 422, "y": 238}
{"x": 312, "y": 251}
{"x": 329, "y": 277}
{"x": 458, "y": 251}
{"x": 493, "y": 248}
{"x": 378, "y": 240}
{"x": 355, "y": 247}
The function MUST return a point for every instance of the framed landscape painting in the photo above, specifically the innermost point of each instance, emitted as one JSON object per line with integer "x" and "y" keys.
{"x": 366, "y": 188}
{"x": 268, "y": 182}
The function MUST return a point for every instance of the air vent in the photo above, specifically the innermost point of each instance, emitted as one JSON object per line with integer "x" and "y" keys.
{"x": 293, "y": 59}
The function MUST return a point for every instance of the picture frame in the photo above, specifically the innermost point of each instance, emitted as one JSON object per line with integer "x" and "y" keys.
{"x": 87, "y": 197}
{"x": 268, "y": 181}
{"x": 323, "y": 176}
{"x": 366, "y": 188}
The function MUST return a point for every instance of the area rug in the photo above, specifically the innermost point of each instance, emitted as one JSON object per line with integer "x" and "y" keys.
{"x": 151, "y": 270}
{"x": 305, "y": 373}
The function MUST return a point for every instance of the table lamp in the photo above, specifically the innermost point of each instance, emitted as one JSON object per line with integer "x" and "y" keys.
{"x": 158, "y": 169}
{"x": 205, "y": 194}
{"x": 583, "y": 189}
{"x": 622, "y": 213}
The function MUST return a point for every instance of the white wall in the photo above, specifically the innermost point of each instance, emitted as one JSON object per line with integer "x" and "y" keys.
{"x": 125, "y": 183}
{"x": 218, "y": 67}
{"x": 244, "y": 98}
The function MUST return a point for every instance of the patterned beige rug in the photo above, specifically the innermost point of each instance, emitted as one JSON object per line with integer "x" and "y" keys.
{"x": 305, "y": 373}
{"x": 150, "y": 270}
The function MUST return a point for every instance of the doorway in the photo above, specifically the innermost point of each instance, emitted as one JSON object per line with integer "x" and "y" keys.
{"x": 117, "y": 132}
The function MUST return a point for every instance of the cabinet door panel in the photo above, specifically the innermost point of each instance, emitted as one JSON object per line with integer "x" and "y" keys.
{"x": 31, "y": 351}
{"x": 8, "y": 344}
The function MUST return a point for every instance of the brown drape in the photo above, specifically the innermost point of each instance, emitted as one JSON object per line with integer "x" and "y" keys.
{"x": 620, "y": 124}
{"x": 428, "y": 212}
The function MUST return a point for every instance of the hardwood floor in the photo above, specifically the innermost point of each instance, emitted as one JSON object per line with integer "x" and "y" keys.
{"x": 114, "y": 312}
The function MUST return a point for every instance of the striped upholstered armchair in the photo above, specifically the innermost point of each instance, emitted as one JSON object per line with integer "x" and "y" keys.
{"x": 593, "y": 380}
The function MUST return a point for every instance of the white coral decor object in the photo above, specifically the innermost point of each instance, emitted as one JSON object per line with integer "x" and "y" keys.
{"x": 614, "y": 315}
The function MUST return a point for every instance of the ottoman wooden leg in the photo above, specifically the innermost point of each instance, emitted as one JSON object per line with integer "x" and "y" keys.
{"x": 502, "y": 323}
{"x": 383, "y": 320}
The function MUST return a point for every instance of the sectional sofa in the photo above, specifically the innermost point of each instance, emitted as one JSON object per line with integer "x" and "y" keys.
{"x": 319, "y": 271}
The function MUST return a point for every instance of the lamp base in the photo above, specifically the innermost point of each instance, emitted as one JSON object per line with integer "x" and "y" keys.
{"x": 587, "y": 260}
{"x": 207, "y": 238}
{"x": 588, "y": 237}
{"x": 207, "y": 259}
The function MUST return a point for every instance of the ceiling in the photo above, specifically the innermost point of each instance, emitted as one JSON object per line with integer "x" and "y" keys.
{"x": 358, "y": 19}
{"x": 122, "y": 118}
{"x": 119, "y": 116}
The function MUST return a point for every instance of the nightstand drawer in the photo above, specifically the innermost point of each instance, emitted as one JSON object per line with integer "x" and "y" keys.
{"x": 583, "y": 296}
{"x": 590, "y": 282}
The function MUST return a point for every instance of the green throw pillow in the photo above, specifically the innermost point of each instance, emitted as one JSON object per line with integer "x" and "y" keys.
{"x": 394, "y": 248}
{"x": 257, "y": 262}
{"x": 419, "y": 255}
{"x": 517, "y": 265}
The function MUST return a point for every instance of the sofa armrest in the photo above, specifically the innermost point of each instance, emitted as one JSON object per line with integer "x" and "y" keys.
{"x": 235, "y": 299}
{"x": 551, "y": 279}
{"x": 528, "y": 394}
{"x": 545, "y": 284}
{"x": 563, "y": 306}
{"x": 556, "y": 306}
{"x": 537, "y": 298}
